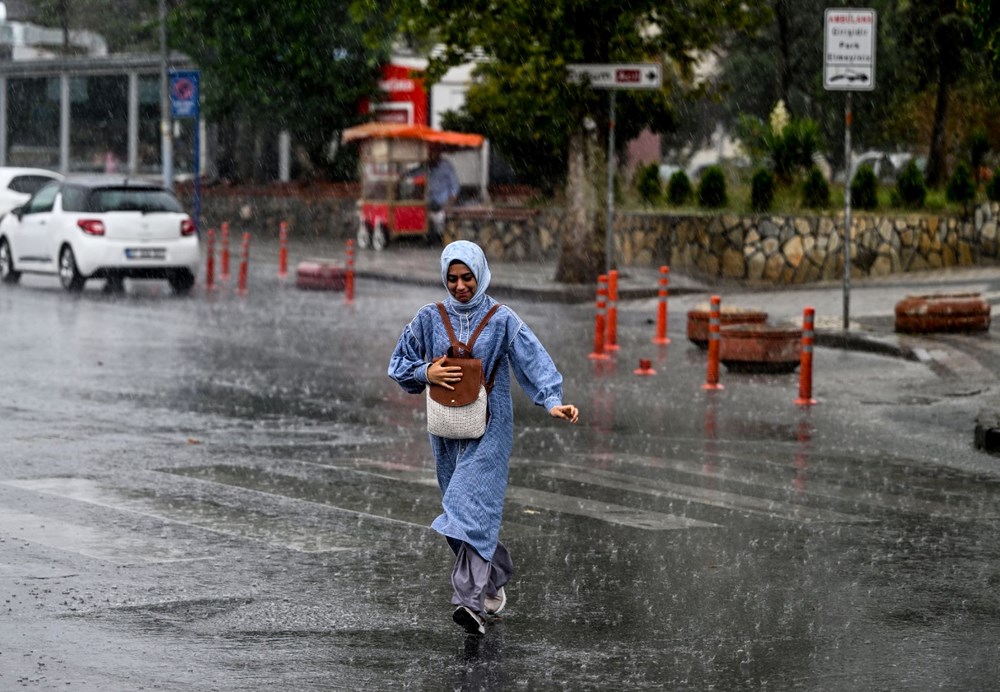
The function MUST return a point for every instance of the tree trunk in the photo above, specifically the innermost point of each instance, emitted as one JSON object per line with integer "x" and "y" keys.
{"x": 936, "y": 165}
{"x": 581, "y": 256}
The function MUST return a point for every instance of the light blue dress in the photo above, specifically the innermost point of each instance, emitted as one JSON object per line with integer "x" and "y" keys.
{"x": 472, "y": 474}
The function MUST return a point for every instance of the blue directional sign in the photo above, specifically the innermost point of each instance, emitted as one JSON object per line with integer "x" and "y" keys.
{"x": 184, "y": 93}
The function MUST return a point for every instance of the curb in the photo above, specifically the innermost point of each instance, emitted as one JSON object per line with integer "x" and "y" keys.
{"x": 864, "y": 343}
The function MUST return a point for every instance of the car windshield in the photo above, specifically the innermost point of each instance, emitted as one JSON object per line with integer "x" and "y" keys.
{"x": 130, "y": 199}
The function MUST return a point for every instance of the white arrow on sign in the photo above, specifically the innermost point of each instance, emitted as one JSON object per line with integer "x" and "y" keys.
{"x": 618, "y": 76}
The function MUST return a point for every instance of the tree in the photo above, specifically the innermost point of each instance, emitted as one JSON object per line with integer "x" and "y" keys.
{"x": 783, "y": 61}
{"x": 126, "y": 25}
{"x": 525, "y": 103}
{"x": 300, "y": 65}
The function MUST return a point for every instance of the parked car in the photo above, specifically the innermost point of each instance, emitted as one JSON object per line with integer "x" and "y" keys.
{"x": 100, "y": 227}
{"x": 18, "y": 184}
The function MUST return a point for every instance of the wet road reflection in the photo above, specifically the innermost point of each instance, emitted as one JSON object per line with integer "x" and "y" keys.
{"x": 237, "y": 482}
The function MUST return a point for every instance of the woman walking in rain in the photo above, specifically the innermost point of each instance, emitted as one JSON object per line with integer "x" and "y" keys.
{"x": 472, "y": 473}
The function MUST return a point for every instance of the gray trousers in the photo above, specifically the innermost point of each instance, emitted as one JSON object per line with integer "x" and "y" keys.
{"x": 474, "y": 578}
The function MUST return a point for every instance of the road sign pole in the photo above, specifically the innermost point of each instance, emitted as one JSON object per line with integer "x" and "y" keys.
{"x": 609, "y": 240}
{"x": 849, "y": 38}
{"x": 848, "y": 171}
{"x": 613, "y": 77}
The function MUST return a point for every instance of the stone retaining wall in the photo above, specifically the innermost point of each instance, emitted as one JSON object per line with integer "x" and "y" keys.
{"x": 803, "y": 249}
{"x": 756, "y": 249}
{"x": 752, "y": 248}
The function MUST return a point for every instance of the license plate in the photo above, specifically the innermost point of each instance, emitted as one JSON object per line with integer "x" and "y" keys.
{"x": 144, "y": 253}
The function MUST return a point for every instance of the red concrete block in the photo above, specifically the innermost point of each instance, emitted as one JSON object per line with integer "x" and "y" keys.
{"x": 697, "y": 324}
{"x": 760, "y": 347}
{"x": 320, "y": 275}
{"x": 942, "y": 312}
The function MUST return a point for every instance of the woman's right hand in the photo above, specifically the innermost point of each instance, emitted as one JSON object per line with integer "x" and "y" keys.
{"x": 440, "y": 374}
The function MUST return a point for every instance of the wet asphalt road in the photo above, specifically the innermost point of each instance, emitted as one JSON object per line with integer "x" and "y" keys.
{"x": 225, "y": 493}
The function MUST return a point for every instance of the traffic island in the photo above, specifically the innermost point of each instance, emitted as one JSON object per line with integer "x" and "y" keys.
{"x": 760, "y": 348}
{"x": 697, "y": 321}
{"x": 942, "y": 312}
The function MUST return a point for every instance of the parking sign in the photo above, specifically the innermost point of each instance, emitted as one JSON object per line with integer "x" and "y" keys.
{"x": 184, "y": 93}
{"x": 849, "y": 50}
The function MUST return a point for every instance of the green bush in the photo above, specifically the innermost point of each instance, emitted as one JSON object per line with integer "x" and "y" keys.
{"x": 762, "y": 190}
{"x": 647, "y": 184}
{"x": 961, "y": 188}
{"x": 794, "y": 148}
{"x": 911, "y": 187}
{"x": 679, "y": 189}
{"x": 993, "y": 187}
{"x": 864, "y": 188}
{"x": 712, "y": 188}
{"x": 815, "y": 190}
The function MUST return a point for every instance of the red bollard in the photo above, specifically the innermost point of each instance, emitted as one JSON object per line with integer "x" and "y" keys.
{"x": 283, "y": 251}
{"x": 210, "y": 262}
{"x": 714, "y": 326}
{"x": 244, "y": 260}
{"x": 661, "y": 308}
{"x": 806, "y": 362}
{"x": 645, "y": 367}
{"x": 602, "y": 293}
{"x": 224, "y": 273}
{"x": 349, "y": 274}
{"x": 611, "y": 340}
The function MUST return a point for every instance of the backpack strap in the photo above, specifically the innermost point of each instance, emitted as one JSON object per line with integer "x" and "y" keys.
{"x": 479, "y": 329}
{"x": 459, "y": 346}
{"x": 455, "y": 343}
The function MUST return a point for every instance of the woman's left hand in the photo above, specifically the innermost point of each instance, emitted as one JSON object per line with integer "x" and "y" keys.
{"x": 565, "y": 412}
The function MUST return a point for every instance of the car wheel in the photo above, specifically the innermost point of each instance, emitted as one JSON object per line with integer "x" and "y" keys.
{"x": 8, "y": 274}
{"x": 379, "y": 238}
{"x": 69, "y": 275}
{"x": 181, "y": 281}
{"x": 364, "y": 236}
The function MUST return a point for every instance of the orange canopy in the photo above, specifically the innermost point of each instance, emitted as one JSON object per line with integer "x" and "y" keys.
{"x": 421, "y": 132}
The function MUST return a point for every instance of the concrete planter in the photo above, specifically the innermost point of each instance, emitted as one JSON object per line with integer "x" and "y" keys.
{"x": 320, "y": 275}
{"x": 760, "y": 348}
{"x": 942, "y": 312}
{"x": 697, "y": 324}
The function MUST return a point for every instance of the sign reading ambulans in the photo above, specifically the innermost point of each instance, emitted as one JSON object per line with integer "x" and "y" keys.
{"x": 849, "y": 50}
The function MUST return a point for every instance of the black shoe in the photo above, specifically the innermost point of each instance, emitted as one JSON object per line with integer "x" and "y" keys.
{"x": 469, "y": 621}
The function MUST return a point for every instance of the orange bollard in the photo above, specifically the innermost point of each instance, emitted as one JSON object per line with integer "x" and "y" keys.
{"x": 283, "y": 251}
{"x": 645, "y": 367}
{"x": 224, "y": 259}
{"x": 244, "y": 260}
{"x": 806, "y": 362}
{"x": 599, "y": 327}
{"x": 714, "y": 326}
{"x": 611, "y": 340}
{"x": 210, "y": 262}
{"x": 349, "y": 274}
{"x": 661, "y": 308}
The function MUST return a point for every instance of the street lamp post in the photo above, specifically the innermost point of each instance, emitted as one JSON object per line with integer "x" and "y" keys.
{"x": 166, "y": 123}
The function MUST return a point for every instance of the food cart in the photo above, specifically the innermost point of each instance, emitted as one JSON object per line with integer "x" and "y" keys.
{"x": 394, "y": 179}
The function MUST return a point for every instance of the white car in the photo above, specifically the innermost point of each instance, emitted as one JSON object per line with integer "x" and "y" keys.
{"x": 100, "y": 227}
{"x": 18, "y": 184}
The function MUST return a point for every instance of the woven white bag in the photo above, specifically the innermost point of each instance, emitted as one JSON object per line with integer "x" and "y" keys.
{"x": 457, "y": 422}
